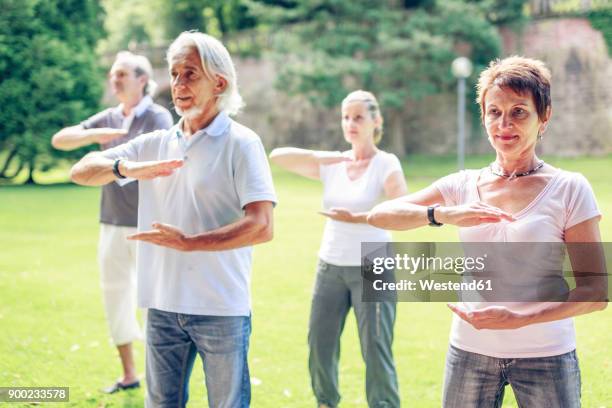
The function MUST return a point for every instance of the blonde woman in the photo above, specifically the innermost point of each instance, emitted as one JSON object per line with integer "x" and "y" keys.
{"x": 354, "y": 181}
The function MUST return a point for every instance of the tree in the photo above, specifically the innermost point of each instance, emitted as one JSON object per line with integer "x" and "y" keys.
{"x": 50, "y": 77}
{"x": 215, "y": 17}
{"x": 400, "y": 52}
{"x": 601, "y": 19}
{"x": 507, "y": 12}
{"x": 129, "y": 24}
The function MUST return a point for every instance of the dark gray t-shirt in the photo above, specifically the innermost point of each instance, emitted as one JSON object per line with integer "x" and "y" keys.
{"x": 119, "y": 205}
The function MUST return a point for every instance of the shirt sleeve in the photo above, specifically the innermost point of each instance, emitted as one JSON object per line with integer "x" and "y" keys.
{"x": 98, "y": 120}
{"x": 581, "y": 202}
{"x": 324, "y": 172}
{"x": 130, "y": 151}
{"x": 253, "y": 178}
{"x": 326, "y": 169}
{"x": 392, "y": 164}
{"x": 450, "y": 188}
{"x": 163, "y": 120}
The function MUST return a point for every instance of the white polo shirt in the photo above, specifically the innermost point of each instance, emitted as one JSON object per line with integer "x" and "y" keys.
{"x": 225, "y": 169}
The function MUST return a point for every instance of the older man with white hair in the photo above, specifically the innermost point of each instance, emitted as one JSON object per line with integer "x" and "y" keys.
{"x": 131, "y": 81}
{"x": 206, "y": 197}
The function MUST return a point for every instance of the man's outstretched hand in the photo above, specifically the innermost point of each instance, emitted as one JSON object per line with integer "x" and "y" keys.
{"x": 149, "y": 169}
{"x": 163, "y": 235}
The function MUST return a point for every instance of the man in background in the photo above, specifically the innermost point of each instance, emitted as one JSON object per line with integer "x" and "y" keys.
{"x": 131, "y": 81}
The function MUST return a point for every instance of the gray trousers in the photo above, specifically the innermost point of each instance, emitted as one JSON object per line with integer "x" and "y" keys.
{"x": 337, "y": 288}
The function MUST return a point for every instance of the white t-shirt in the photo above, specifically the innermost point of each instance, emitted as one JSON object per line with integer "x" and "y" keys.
{"x": 565, "y": 201}
{"x": 342, "y": 240}
{"x": 225, "y": 168}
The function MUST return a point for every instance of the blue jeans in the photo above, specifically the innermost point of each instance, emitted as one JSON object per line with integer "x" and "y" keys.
{"x": 477, "y": 381}
{"x": 173, "y": 339}
{"x": 337, "y": 288}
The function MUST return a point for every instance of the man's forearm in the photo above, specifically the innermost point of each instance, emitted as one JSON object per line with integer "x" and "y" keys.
{"x": 93, "y": 170}
{"x": 244, "y": 232}
{"x": 72, "y": 138}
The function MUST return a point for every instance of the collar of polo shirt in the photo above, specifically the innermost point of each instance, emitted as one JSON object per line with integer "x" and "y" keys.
{"x": 139, "y": 109}
{"x": 216, "y": 128}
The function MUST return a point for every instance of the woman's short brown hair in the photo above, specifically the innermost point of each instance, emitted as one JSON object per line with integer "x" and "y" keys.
{"x": 521, "y": 75}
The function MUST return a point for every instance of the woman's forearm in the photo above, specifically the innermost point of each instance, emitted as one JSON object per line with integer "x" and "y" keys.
{"x": 292, "y": 158}
{"x": 564, "y": 310}
{"x": 300, "y": 161}
{"x": 398, "y": 215}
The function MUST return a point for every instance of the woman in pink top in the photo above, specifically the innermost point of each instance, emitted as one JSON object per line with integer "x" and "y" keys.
{"x": 518, "y": 198}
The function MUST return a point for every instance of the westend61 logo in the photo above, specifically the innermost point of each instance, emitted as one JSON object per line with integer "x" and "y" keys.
{"x": 486, "y": 271}
{"x": 413, "y": 264}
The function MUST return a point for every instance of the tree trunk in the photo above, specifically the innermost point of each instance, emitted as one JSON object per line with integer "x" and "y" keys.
{"x": 15, "y": 173}
{"x": 396, "y": 133}
{"x": 541, "y": 7}
{"x": 30, "y": 179}
{"x": 585, "y": 5}
{"x": 7, "y": 163}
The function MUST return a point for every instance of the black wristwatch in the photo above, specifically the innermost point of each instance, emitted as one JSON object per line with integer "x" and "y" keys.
{"x": 116, "y": 169}
{"x": 431, "y": 218}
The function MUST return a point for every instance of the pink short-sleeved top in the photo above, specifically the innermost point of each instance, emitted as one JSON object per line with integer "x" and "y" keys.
{"x": 565, "y": 201}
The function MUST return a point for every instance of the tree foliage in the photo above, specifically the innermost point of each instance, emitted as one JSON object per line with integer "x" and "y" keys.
{"x": 130, "y": 24}
{"x": 216, "y": 17}
{"x": 400, "y": 51}
{"x": 601, "y": 19}
{"x": 503, "y": 11}
{"x": 49, "y": 76}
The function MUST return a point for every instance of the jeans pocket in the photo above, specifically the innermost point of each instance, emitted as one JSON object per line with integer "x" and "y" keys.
{"x": 319, "y": 276}
{"x": 574, "y": 355}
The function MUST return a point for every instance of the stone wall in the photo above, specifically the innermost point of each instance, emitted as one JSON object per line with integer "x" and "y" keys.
{"x": 581, "y": 92}
{"x": 581, "y": 83}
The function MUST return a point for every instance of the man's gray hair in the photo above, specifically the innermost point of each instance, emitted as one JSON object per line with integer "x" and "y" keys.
{"x": 141, "y": 66}
{"x": 215, "y": 60}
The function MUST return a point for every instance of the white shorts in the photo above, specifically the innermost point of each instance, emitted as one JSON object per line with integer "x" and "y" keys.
{"x": 117, "y": 260}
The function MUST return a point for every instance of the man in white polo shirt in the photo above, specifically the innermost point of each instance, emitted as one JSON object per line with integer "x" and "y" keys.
{"x": 206, "y": 196}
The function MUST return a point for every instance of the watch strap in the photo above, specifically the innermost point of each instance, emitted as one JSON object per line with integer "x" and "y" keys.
{"x": 431, "y": 217}
{"x": 116, "y": 169}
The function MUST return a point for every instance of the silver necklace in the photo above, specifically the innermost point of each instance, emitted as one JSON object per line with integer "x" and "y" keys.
{"x": 514, "y": 174}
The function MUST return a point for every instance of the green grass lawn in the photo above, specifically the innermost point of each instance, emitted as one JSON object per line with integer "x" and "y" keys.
{"x": 53, "y": 332}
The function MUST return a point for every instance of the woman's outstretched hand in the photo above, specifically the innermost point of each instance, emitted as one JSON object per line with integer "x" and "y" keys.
{"x": 344, "y": 215}
{"x": 492, "y": 317}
